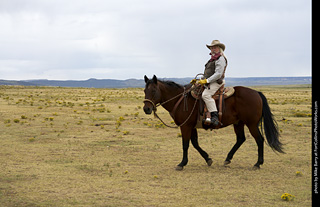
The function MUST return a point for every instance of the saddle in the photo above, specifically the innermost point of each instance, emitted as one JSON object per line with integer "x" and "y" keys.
{"x": 221, "y": 94}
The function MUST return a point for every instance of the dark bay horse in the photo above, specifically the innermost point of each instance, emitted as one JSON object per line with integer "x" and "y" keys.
{"x": 246, "y": 107}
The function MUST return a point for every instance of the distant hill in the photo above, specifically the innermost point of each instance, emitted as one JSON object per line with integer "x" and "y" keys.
{"x": 258, "y": 81}
{"x": 12, "y": 82}
{"x": 139, "y": 83}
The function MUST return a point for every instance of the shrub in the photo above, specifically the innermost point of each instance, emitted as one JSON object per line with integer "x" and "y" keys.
{"x": 301, "y": 114}
{"x": 287, "y": 197}
{"x": 118, "y": 124}
{"x": 32, "y": 139}
{"x": 125, "y": 132}
{"x": 299, "y": 174}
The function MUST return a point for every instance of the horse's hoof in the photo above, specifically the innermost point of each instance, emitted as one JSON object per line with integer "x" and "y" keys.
{"x": 179, "y": 168}
{"x": 256, "y": 167}
{"x": 226, "y": 163}
{"x": 209, "y": 162}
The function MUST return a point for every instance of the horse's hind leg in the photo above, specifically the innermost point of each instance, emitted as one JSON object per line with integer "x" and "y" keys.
{"x": 239, "y": 130}
{"x": 195, "y": 143}
{"x": 254, "y": 130}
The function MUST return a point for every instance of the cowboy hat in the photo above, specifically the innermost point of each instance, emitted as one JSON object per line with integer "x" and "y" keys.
{"x": 217, "y": 43}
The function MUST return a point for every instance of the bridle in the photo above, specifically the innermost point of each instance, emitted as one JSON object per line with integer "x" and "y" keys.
{"x": 154, "y": 106}
{"x": 181, "y": 95}
{"x": 163, "y": 103}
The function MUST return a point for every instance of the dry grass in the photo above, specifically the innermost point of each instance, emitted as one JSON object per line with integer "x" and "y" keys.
{"x": 96, "y": 147}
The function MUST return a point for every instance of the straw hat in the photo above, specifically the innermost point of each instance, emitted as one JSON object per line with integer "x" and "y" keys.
{"x": 217, "y": 43}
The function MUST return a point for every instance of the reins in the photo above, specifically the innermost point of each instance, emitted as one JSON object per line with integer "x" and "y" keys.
{"x": 183, "y": 94}
{"x": 160, "y": 104}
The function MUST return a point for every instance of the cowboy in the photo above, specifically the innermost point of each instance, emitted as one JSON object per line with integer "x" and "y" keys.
{"x": 213, "y": 79}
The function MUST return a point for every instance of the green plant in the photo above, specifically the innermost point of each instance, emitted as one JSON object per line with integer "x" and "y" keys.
{"x": 287, "y": 197}
{"x": 32, "y": 139}
{"x": 118, "y": 124}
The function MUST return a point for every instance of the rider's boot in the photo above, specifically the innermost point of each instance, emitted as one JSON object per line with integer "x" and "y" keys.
{"x": 214, "y": 120}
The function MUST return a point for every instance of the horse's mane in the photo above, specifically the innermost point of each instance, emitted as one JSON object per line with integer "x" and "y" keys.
{"x": 171, "y": 84}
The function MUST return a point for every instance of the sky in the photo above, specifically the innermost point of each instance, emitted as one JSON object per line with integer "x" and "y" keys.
{"x": 123, "y": 39}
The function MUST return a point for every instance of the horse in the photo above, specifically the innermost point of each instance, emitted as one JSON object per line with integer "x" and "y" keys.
{"x": 245, "y": 107}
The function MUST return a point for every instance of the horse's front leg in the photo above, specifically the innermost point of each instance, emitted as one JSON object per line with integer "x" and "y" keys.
{"x": 186, "y": 134}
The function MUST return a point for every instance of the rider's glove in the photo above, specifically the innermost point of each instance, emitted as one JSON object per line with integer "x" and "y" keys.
{"x": 193, "y": 81}
{"x": 204, "y": 81}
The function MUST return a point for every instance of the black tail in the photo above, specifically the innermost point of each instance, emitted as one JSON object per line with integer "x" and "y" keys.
{"x": 270, "y": 126}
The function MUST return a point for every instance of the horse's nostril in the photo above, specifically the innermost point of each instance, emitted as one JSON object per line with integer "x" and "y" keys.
{"x": 147, "y": 110}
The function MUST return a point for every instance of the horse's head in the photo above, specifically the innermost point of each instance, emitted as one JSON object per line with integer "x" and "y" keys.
{"x": 152, "y": 94}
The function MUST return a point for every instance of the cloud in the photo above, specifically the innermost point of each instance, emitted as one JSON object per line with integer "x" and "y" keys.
{"x": 123, "y": 39}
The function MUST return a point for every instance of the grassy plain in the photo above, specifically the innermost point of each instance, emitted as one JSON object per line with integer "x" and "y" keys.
{"x": 96, "y": 147}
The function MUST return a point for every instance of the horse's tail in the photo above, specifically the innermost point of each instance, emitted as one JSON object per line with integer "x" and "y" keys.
{"x": 270, "y": 126}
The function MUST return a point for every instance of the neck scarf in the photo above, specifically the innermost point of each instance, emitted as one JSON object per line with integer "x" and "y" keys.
{"x": 215, "y": 56}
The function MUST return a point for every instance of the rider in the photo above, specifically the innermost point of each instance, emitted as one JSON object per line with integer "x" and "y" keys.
{"x": 213, "y": 78}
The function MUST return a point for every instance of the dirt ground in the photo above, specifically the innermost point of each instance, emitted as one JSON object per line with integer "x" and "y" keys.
{"x": 96, "y": 147}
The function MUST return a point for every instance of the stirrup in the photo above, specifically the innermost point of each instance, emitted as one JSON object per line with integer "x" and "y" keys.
{"x": 214, "y": 121}
{"x": 211, "y": 121}
{"x": 207, "y": 121}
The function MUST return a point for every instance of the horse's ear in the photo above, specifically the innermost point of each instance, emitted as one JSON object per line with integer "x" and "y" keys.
{"x": 146, "y": 79}
{"x": 155, "y": 79}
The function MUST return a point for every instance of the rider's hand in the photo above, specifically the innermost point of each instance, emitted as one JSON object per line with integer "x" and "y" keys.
{"x": 193, "y": 81}
{"x": 204, "y": 81}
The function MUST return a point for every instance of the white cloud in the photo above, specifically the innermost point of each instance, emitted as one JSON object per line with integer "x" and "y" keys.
{"x": 127, "y": 39}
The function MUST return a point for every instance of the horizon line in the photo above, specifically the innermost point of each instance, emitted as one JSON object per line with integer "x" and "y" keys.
{"x": 142, "y": 78}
